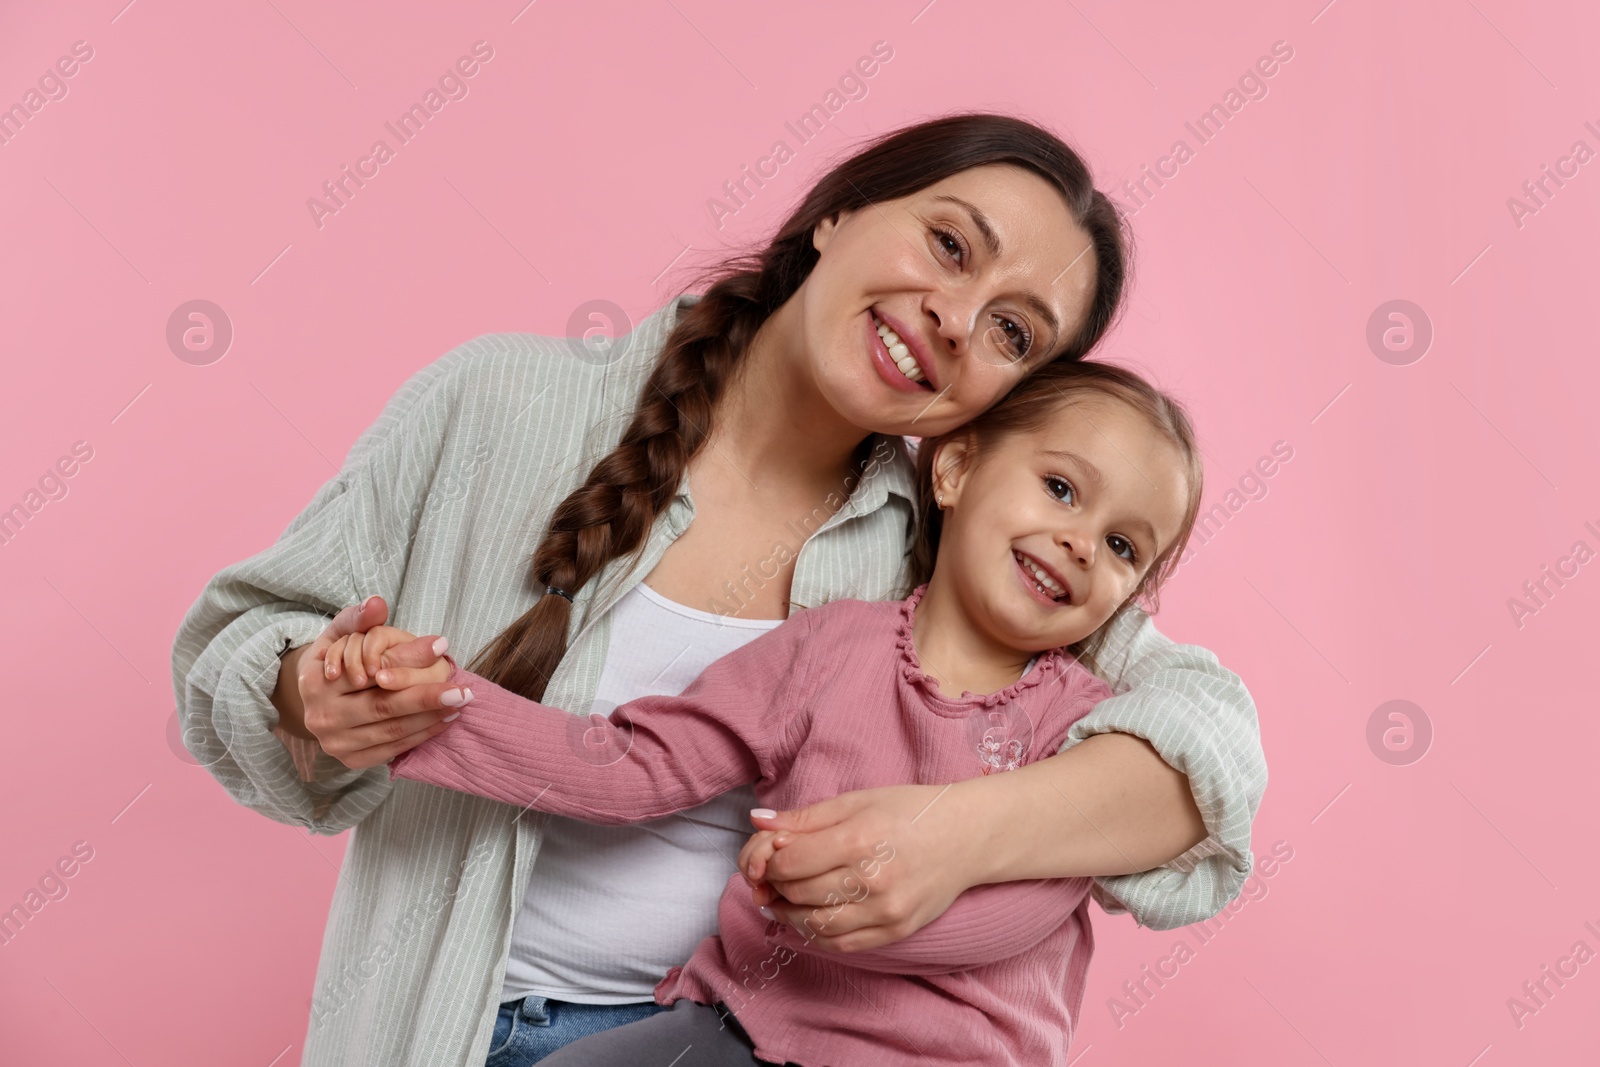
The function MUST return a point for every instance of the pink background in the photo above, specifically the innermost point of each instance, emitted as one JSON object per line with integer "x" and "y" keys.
{"x": 1377, "y": 567}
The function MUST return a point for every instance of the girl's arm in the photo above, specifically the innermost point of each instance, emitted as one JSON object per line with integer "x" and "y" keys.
{"x": 1168, "y": 772}
{"x": 985, "y": 924}
{"x": 652, "y": 757}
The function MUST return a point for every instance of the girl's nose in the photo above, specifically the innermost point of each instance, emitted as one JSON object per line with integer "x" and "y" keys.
{"x": 1081, "y": 549}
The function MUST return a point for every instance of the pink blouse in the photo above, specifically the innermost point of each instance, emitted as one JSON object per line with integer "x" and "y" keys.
{"x": 833, "y": 700}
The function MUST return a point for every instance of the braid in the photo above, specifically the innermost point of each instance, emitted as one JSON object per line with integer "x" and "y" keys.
{"x": 612, "y": 512}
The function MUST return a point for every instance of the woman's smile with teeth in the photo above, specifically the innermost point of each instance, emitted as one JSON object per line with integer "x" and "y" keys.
{"x": 899, "y": 352}
{"x": 1041, "y": 578}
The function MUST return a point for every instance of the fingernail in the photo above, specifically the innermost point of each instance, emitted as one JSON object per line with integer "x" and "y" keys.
{"x": 453, "y": 698}
{"x": 440, "y": 647}
{"x": 766, "y": 913}
{"x": 451, "y": 718}
{"x": 763, "y": 813}
{"x": 369, "y": 600}
{"x": 384, "y": 677}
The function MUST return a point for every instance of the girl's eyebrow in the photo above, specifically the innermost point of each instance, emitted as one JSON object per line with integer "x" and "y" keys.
{"x": 1150, "y": 533}
{"x": 1090, "y": 471}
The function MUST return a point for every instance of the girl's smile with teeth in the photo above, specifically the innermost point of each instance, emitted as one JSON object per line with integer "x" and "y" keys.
{"x": 1042, "y": 580}
{"x": 1075, "y": 487}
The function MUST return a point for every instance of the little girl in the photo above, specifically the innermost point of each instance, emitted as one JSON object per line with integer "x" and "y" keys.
{"x": 1040, "y": 521}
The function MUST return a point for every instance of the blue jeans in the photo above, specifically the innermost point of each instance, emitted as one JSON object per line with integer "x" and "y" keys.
{"x": 528, "y": 1030}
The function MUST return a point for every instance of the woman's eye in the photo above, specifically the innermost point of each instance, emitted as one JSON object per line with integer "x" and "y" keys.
{"x": 1020, "y": 339}
{"x": 1016, "y": 334}
{"x": 1122, "y": 547}
{"x": 943, "y": 235}
{"x": 1060, "y": 488}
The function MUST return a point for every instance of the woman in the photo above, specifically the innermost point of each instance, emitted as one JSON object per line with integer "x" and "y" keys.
{"x": 980, "y": 244}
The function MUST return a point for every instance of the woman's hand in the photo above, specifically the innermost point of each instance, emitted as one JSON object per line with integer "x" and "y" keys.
{"x": 866, "y": 868}
{"x": 362, "y": 726}
{"x": 1108, "y": 805}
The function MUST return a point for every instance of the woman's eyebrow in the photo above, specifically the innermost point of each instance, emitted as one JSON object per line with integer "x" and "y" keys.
{"x": 991, "y": 241}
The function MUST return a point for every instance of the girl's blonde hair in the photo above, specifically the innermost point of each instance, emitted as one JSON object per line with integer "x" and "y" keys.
{"x": 1034, "y": 402}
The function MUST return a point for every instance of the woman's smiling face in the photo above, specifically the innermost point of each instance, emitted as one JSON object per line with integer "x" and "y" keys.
{"x": 982, "y": 276}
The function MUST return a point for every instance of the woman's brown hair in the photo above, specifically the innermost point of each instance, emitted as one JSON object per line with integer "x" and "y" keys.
{"x": 1049, "y": 393}
{"x": 611, "y": 513}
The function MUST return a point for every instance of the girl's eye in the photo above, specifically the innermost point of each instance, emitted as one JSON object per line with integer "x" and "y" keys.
{"x": 1060, "y": 488}
{"x": 1123, "y": 547}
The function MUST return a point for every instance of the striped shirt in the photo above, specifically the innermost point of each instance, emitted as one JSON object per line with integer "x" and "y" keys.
{"x": 438, "y": 508}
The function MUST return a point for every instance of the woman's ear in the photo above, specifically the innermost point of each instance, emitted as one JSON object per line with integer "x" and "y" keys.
{"x": 823, "y": 231}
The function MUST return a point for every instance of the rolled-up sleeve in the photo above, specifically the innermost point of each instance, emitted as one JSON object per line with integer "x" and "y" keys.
{"x": 351, "y": 541}
{"x": 1201, "y": 720}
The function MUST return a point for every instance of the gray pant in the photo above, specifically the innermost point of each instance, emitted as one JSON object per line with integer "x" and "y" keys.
{"x": 688, "y": 1035}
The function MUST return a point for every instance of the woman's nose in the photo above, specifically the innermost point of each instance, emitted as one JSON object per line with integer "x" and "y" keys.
{"x": 951, "y": 322}
{"x": 965, "y": 330}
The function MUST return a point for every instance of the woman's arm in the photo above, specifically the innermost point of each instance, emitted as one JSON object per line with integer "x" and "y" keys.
{"x": 350, "y": 540}
{"x": 653, "y": 756}
{"x": 1177, "y": 702}
{"x": 1177, "y": 742}
{"x": 1109, "y": 805}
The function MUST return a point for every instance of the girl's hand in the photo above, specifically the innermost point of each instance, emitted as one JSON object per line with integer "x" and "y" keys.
{"x": 369, "y": 727}
{"x": 362, "y": 659}
{"x": 757, "y": 851}
{"x": 895, "y": 858}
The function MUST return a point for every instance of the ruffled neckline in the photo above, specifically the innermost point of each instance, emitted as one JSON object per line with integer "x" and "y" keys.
{"x": 1048, "y": 666}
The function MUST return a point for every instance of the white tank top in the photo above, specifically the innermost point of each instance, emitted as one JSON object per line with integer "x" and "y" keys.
{"x": 610, "y": 909}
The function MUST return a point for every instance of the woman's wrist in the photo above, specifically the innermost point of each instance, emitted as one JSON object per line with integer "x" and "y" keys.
{"x": 286, "y": 695}
{"x": 1107, "y": 806}
{"x": 995, "y": 828}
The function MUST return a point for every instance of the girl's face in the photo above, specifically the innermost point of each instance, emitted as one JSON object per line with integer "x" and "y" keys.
{"x": 1047, "y": 533}
{"x": 982, "y": 276}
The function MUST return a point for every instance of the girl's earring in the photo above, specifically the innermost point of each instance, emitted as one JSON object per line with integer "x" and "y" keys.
{"x": 939, "y": 499}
